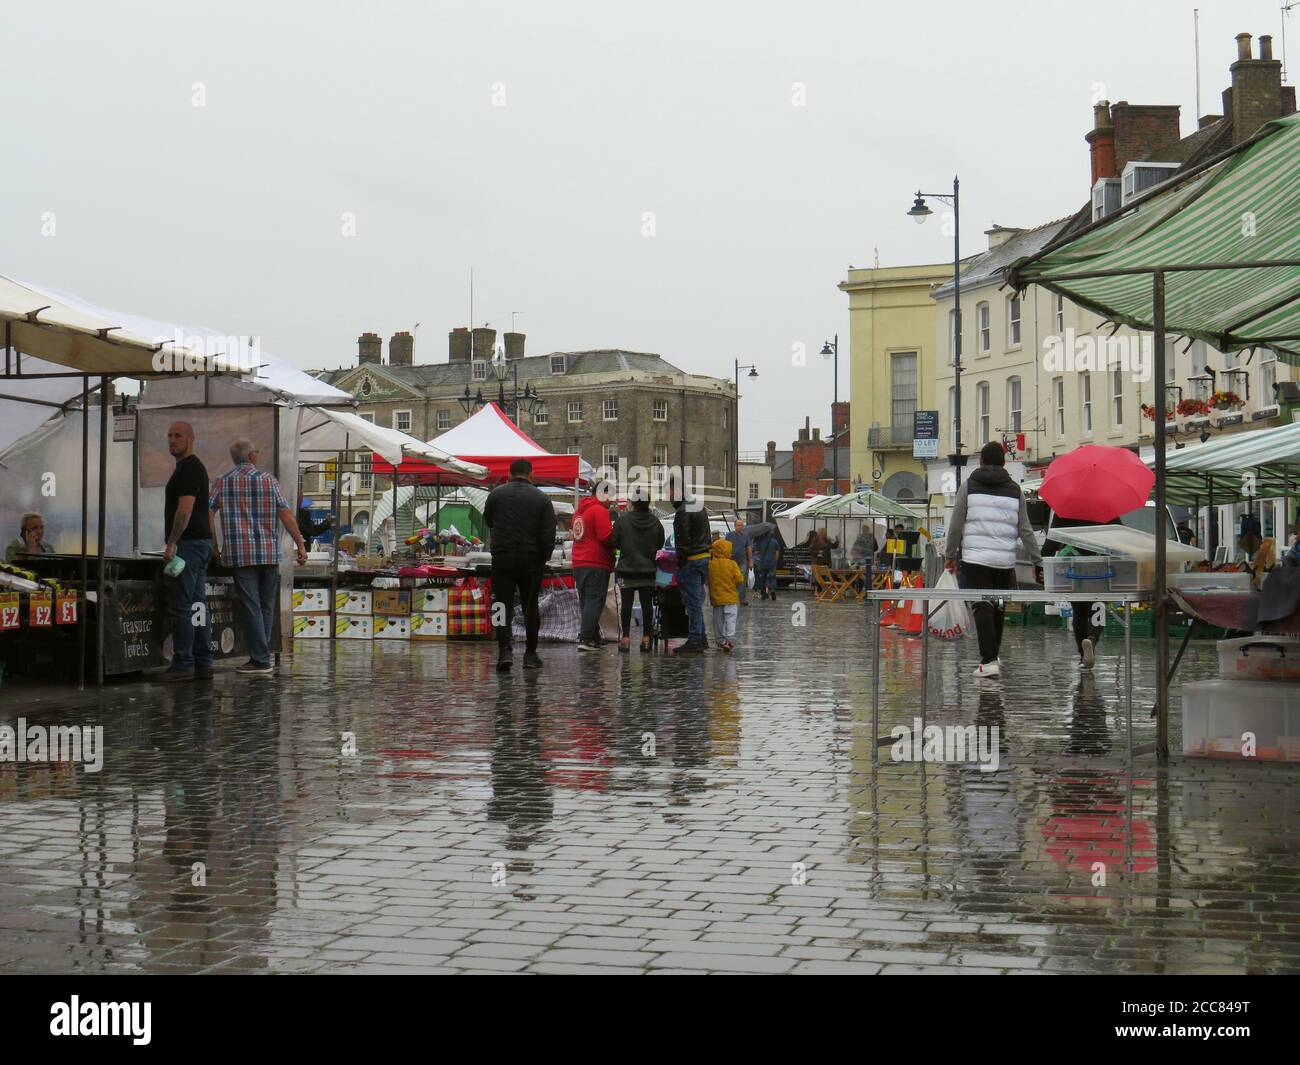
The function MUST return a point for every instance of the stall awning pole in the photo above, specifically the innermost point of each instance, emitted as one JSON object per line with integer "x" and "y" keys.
{"x": 1160, "y": 606}
{"x": 102, "y": 526}
{"x": 85, "y": 520}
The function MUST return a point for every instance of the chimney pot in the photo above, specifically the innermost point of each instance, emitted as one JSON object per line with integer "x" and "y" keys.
{"x": 401, "y": 349}
{"x": 458, "y": 343}
{"x": 1243, "y": 46}
{"x": 1266, "y": 47}
{"x": 485, "y": 343}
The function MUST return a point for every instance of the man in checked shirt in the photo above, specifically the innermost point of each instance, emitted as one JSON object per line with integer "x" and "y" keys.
{"x": 245, "y": 504}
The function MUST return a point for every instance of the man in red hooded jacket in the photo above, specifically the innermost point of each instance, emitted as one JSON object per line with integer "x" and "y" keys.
{"x": 593, "y": 559}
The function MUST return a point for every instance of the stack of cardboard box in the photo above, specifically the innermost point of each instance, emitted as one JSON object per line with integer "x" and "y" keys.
{"x": 429, "y": 614}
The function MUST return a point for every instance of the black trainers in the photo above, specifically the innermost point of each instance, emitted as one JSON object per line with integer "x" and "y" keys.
{"x": 531, "y": 661}
{"x": 689, "y": 648}
{"x": 255, "y": 669}
{"x": 584, "y": 645}
{"x": 505, "y": 659}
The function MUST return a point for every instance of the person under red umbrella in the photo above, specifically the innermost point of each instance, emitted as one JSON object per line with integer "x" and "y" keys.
{"x": 1092, "y": 486}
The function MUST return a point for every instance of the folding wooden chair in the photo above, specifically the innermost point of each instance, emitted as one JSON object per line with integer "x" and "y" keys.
{"x": 823, "y": 583}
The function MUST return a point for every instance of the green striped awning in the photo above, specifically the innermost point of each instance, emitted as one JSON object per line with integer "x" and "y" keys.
{"x": 1261, "y": 464}
{"x": 1243, "y": 208}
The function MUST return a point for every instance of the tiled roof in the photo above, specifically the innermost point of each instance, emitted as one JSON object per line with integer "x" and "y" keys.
{"x": 988, "y": 266}
{"x": 532, "y": 368}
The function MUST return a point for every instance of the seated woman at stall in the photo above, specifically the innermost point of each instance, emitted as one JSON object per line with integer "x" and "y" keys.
{"x": 30, "y": 541}
{"x": 864, "y": 547}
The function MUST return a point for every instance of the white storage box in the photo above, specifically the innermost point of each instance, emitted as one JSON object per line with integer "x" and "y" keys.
{"x": 392, "y": 626}
{"x": 429, "y": 626}
{"x": 1260, "y": 658}
{"x": 1242, "y": 719}
{"x": 311, "y": 627}
{"x": 348, "y": 627}
{"x": 311, "y": 600}
{"x": 1208, "y": 582}
{"x": 352, "y": 603}
{"x": 1090, "y": 573}
{"x": 429, "y": 601}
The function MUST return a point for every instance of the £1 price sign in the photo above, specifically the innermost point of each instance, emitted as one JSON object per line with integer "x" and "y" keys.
{"x": 9, "y": 611}
{"x": 40, "y": 609}
{"x": 65, "y": 608}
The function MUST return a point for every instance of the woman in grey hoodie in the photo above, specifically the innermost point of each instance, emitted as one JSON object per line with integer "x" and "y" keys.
{"x": 638, "y": 536}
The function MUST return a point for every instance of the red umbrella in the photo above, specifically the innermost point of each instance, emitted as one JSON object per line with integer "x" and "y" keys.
{"x": 1096, "y": 483}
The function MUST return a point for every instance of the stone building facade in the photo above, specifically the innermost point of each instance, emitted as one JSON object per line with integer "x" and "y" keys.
{"x": 605, "y": 405}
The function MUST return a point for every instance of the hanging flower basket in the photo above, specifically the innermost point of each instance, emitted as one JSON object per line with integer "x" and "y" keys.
{"x": 1149, "y": 411}
{"x": 1225, "y": 400}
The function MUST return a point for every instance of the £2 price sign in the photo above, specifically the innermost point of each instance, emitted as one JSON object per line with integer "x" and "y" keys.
{"x": 40, "y": 609}
{"x": 65, "y": 608}
{"x": 9, "y": 612}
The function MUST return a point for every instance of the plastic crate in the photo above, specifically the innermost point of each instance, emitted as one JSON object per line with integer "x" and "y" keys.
{"x": 1250, "y": 720}
{"x": 1090, "y": 573}
{"x": 1260, "y": 658}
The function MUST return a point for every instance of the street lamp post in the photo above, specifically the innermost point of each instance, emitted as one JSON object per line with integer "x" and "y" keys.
{"x": 735, "y": 429}
{"x": 920, "y": 212}
{"x": 832, "y": 348}
{"x": 526, "y": 401}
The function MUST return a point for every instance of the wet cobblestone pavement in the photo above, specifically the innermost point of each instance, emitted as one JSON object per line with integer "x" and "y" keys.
{"x": 635, "y": 814}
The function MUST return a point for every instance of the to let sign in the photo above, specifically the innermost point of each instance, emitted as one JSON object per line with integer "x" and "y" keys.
{"x": 925, "y": 434}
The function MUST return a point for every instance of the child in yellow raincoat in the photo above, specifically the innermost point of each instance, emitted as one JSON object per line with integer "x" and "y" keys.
{"x": 725, "y": 579}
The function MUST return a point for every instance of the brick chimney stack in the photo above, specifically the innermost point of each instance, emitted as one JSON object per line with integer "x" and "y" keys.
{"x": 1101, "y": 143}
{"x": 1257, "y": 95}
{"x": 485, "y": 343}
{"x": 839, "y": 417}
{"x": 1142, "y": 131}
{"x": 458, "y": 345}
{"x": 514, "y": 345}
{"x": 401, "y": 349}
{"x": 771, "y": 452}
{"x": 370, "y": 348}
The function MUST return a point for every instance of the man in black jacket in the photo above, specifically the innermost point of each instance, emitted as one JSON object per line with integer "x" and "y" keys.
{"x": 521, "y": 522}
{"x": 694, "y": 545}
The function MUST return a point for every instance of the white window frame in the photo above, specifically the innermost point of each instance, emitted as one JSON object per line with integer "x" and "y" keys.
{"x": 983, "y": 417}
{"x": 574, "y": 412}
{"x": 659, "y": 410}
{"x": 1085, "y": 392}
{"x": 561, "y": 361}
{"x": 1058, "y": 394}
{"x": 444, "y": 420}
{"x": 952, "y": 416}
{"x": 542, "y": 414}
{"x": 1267, "y": 378}
{"x": 609, "y": 455}
{"x": 478, "y": 370}
{"x": 397, "y": 416}
{"x": 1014, "y": 310}
{"x": 753, "y": 490}
{"x": 573, "y": 449}
{"x": 952, "y": 337}
{"x": 1060, "y": 315}
{"x": 609, "y": 410}
{"x": 1015, "y": 400}
{"x": 983, "y": 319}
{"x": 1117, "y": 398}
{"x": 660, "y": 455}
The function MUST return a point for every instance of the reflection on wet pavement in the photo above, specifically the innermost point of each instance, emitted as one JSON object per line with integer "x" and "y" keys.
{"x": 631, "y": 813}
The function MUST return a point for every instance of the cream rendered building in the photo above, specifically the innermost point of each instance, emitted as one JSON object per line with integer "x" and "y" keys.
{"x": 894, "y": 360}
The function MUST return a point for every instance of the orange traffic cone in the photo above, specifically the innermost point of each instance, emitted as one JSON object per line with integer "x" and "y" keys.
{"x": 888, "y": 610}
{"x": 915, "y": 618}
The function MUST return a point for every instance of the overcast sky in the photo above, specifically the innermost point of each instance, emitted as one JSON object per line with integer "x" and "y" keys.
{"x": 773, "y": 144}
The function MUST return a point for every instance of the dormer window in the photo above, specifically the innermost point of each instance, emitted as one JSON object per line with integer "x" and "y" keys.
{"x": 557, "y": 364}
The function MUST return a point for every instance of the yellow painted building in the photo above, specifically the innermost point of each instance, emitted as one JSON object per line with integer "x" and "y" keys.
{"x": 893, "y": 358}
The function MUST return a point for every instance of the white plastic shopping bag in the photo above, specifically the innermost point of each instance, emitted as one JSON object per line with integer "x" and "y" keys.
{"x": 952, "y": 619}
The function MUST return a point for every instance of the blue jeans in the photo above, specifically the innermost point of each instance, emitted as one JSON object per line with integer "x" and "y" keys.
{"x": 191, "y": 641}
{"x": 764, "y": 579}
{"x": 691, "y": 579}
{"x": 258, "y": 590}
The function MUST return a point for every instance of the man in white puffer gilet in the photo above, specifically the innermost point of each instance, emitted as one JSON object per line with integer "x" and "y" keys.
{"x": 988, "y": 518}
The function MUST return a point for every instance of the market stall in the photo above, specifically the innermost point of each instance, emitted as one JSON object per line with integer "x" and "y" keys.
{"x": 1181, "y": 260}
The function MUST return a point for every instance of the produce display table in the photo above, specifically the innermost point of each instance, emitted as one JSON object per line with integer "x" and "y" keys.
{"x": 934, "y": 598}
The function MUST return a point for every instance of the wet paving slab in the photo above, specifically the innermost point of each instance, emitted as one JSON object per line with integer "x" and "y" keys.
{"x": 402, "y": 808}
